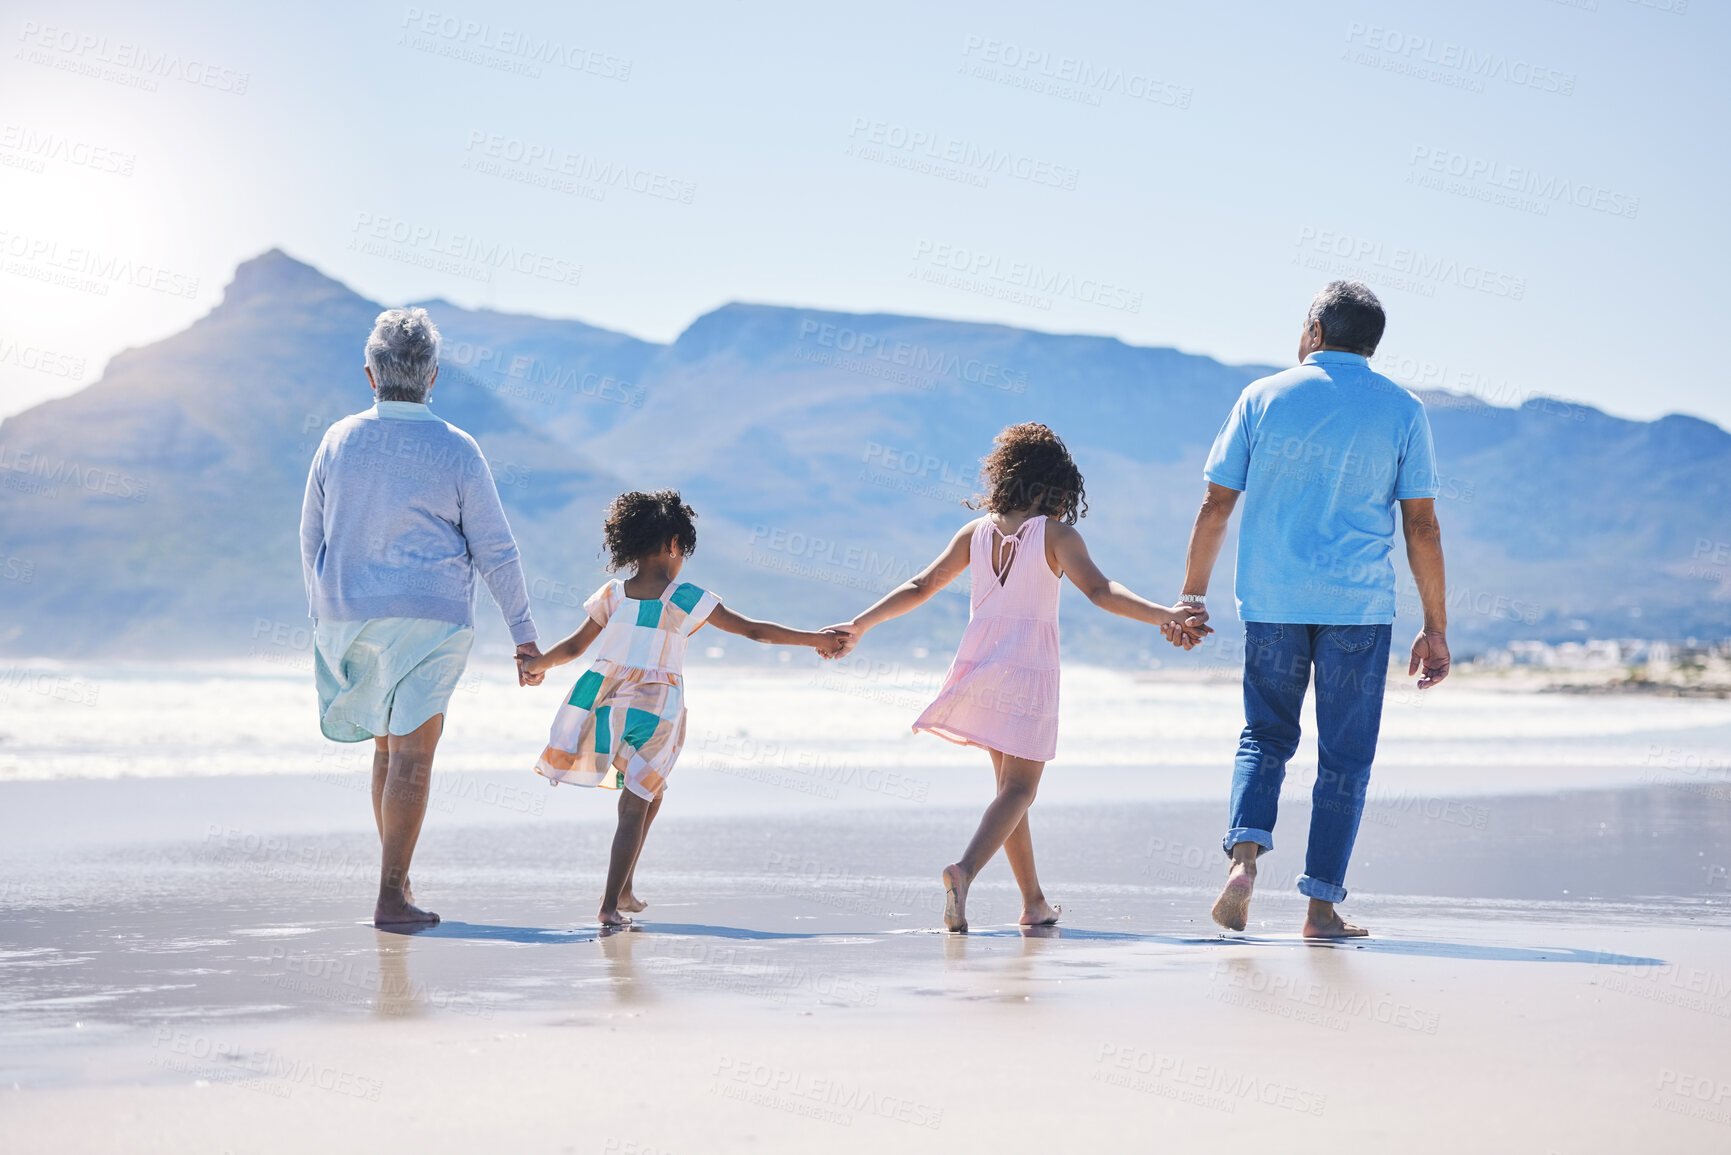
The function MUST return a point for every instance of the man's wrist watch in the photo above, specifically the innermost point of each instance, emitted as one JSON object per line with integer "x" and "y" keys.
{"x": 1192, "y": 599}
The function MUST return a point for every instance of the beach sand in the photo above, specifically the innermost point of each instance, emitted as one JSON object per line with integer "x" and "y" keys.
{"x": 192, "y": 973}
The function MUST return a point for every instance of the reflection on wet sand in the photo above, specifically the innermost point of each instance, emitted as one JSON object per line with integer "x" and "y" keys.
{"x": 989, "y": 970}
{"x": 1024, "y": 969}
{"x": 625, "y": 976}
{"x": 397, "y": 998}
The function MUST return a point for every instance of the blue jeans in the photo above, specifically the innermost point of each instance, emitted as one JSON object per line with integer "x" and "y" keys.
{"x": 1351, "y": 664}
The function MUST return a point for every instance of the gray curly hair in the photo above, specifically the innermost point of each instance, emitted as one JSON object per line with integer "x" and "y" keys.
{"x": 1351, "y": 316}
{"x": 403, "y": 353}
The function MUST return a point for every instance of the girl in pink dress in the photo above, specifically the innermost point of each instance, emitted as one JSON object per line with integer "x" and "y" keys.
{"x": 1001, "y": 693}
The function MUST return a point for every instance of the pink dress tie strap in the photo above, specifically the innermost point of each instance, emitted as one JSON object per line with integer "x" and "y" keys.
{"x": 1001, "y": 692}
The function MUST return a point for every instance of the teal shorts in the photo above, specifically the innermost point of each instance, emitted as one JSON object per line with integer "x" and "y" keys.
{"x": 386, "y": 675}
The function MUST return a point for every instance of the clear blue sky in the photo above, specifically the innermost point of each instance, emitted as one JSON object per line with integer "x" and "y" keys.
{"x": 1536, "y": 188}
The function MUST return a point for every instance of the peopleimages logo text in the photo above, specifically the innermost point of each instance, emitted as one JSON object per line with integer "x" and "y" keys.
{"x": 913, "y": 355}
{"x": 92, "y": 51}
{"x": 1469, "y": 63}
{"x": 1545, "y": 187}
{"x": 484, "y": 255}
{"x": 935, "y": 145}
{"x": 42, "y": 145}
{"x": 993, "y": 269}
{"x": 56, "y": 471}
{"x": 515, "y": 42}
{"x": 45, "y": 254}
{"x": 579, "y": 166}
{"x": 1421, "y": 267}
{"x": 1088, "y": 77}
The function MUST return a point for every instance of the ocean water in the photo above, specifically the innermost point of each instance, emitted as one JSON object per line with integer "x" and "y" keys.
{"x": 824, "y": 735}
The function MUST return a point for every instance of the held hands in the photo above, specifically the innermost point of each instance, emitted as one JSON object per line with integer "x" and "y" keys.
{"x": 1431, "y": 652}
{"x": 1189, "y": 625}
{"x": 531, "y": 666}
{"x": 845, "y": 637}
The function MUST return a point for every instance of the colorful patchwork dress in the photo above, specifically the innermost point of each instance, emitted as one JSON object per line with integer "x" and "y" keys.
{"x": 624, "y": 723}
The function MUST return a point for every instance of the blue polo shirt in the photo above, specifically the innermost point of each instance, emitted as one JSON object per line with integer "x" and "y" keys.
{"x": 1321, "y": 453}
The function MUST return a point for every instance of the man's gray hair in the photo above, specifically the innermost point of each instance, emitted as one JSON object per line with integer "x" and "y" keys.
{"x": 1351, "y": 316}
{"x": 403, "y": 354}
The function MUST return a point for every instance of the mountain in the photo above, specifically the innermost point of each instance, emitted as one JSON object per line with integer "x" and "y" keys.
{"x": 1595, "y": 524}
{"x": 158, "y": 509}
{"x": 828, "y": 455}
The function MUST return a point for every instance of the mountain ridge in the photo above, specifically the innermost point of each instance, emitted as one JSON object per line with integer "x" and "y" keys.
{"x": 782, "y": 425}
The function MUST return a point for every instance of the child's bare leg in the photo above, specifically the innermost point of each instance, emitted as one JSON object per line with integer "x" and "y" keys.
{"x": 628, "y": 900}
{"x": 1019, "y": 850}
{"x": 1018, "y": 782}
{"x": 627, "y": 839}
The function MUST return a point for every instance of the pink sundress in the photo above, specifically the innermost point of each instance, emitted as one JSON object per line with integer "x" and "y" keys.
{"x": 1002, "y": 690}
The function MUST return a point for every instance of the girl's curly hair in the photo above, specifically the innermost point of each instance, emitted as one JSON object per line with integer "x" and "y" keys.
{"x": 641, "y": 524}
{"x": 1029, "y": 465}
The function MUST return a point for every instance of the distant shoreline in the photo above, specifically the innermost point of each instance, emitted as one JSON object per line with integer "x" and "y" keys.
{"x": 1642, "y": 687}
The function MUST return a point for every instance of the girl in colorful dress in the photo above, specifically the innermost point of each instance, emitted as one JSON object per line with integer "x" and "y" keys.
{"x": 624, "y": 723}
{"x": 1001, "y": 693}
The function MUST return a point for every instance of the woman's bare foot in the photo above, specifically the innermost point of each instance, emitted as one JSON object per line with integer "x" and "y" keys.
{"x": 1232, "y": 908}
{"x": 955, "y": 898}
{"x": 394, "y": 909}
{"x": 1041, "y": 913}
{"x": 1322, "y": 921}
{"x": 631, "y": 903}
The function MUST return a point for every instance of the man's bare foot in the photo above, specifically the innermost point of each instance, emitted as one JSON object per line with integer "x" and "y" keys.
{"x": 397, "y": 910}
{"x": 1041, "y": 913}
{"x": 631, "y": 903}
{"x": 955, "y": 898}
{"x": 1322, "y": 921}
{"x": 612, "y": 917}
{"x": 1232, "y": 908}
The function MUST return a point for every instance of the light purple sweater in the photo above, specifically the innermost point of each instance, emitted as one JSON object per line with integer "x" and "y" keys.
{"x": 400, "y": 513}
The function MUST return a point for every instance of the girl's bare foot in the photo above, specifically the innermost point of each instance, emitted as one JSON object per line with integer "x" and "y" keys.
{"x": 1232, "y": 908}
{"x": 394, "y": 909}
{"x": 631, "y": 903}
{"x": 1041, "y": 913}
{"x": 955, "y": 898}
{"x": 1322, "y": 921}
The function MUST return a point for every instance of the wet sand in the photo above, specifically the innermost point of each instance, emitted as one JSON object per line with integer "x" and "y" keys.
{"x": 1548, "y": 973}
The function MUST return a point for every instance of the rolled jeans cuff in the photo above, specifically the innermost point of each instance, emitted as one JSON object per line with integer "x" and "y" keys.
{"x": 1262, "y": 838}
{"x": 1320, "y": 890}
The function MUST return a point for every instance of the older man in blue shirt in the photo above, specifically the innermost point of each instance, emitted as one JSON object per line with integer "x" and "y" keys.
{"x": 1321, "y": 454}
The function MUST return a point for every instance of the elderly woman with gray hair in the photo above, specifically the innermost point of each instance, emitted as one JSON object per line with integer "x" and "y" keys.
{"x": 400, "y": 513}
